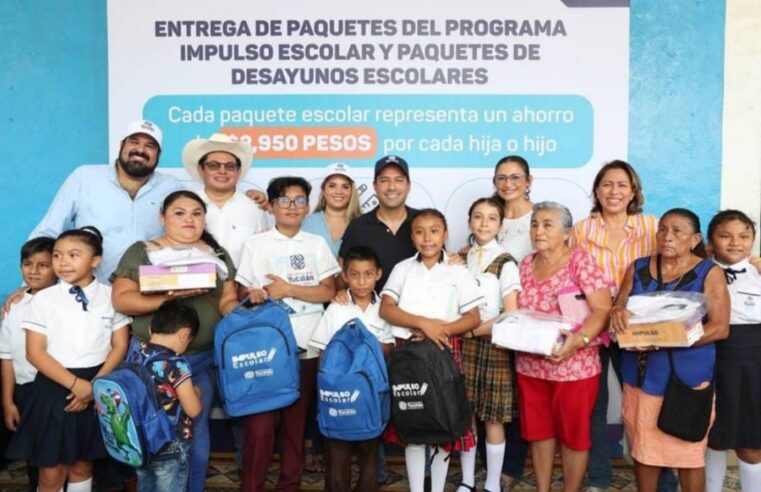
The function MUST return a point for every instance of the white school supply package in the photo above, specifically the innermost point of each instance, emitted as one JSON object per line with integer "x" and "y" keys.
{"x": 530, "y": 331}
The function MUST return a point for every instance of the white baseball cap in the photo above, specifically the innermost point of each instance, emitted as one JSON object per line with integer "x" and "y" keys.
{"x": 146, "y": 127}
{"x": 338, "y": 168}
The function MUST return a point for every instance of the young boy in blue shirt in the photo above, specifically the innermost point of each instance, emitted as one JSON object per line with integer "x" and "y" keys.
{"x": 172, "y": 328}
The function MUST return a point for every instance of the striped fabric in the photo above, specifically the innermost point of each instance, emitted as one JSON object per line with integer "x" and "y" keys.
{"x": 591, "y": 235}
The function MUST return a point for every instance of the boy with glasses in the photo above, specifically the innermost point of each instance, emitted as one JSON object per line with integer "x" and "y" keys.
{"x": 296, "y": 269}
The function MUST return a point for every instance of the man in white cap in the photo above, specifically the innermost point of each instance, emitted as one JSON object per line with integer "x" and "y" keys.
{"x": 122, "y": 199}
{"x": 219, "y": 162}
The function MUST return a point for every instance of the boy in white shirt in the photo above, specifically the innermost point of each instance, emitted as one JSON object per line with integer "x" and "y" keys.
{"x": 296, "y": 269}
{"x": 361, "y": 271}
{"x": 17, "y": 372}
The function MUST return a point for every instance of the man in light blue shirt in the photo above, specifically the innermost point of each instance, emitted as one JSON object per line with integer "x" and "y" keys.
{"x": 122, "y": 199}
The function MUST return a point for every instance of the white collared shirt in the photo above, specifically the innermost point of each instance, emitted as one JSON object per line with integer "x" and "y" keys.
{"x": 13, "y": 340}
{"x": 443, "y": 292}
{"x": 492, "y": 288}
{"x": 75, "y": 338}
{"x": 304, "y": 259}
{"x": 237, "y": 220}
{"x": 337, "y": 315}
{"x": 744, "y": 293}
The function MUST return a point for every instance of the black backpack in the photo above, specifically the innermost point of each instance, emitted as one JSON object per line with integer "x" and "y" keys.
{"x": 428, "y": 402}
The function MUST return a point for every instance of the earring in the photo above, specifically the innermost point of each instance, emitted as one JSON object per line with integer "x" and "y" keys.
{"x": 528, "y": 192}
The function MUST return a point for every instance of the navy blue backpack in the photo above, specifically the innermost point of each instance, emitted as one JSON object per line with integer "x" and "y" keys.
{"x": 352, "y": 385}
{"x": 258, "y": 360}
{"x": 132, "y": 421}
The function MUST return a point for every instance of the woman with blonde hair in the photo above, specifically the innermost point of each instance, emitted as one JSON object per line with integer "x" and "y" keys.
{"x": 337, "y": 205}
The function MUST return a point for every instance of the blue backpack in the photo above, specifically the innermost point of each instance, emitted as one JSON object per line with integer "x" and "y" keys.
{"x": 258, "y": 359}
{"x": 352, "y": 385}
{"x": 132, "y": 421}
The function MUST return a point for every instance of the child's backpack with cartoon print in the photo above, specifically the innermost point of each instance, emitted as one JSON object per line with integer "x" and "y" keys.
{"x": 132, "y": 421}
{"x": 258, "y": 359}
{"x": 352, "y": 385}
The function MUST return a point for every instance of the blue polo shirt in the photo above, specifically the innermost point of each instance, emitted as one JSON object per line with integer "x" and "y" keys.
{"x": 91, "y": 195}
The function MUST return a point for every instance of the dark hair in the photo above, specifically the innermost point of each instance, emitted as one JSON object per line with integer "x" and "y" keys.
{"x": 90, "y": 235}
{"x": 360, "y": 253}
{"x": 202, "y": 160}
{"x": 523, "y": 163}
{"x": 694, "y": 220}
{"x": 158, "y": 148}
{"x": 172, "y": 316}
{"x": 176, "y": 195}
{"x": 42, "y": 244}
{"x": 277, "y": 186}
{"x": 430, "y": 212}
{"x": 489, "y": 200}
{"x": 729, "y": 215}
{"x": 638, "y": 201}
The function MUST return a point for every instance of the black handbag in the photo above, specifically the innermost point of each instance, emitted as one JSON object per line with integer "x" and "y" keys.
{"x": 686, "y": 412}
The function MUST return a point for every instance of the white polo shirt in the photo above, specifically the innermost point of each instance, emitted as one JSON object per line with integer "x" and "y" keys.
{"x": 492, "y": 288}
{"x": 337, "y": 315}
{"x": 237, "y": 220}
{"x": 13, "y": 340}
{"x": 304, "y": 259}
{"x": 75, "y": 338}
{"x": 442, "y": 292}
{"x": 744, "y": 292}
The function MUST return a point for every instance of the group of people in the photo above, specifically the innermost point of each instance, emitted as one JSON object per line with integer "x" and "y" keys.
{"x": 81, "y": 312}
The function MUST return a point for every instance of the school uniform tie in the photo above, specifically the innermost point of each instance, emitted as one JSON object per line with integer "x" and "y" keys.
{"x": 731, "y": 274}
{"x": 79, "y": 296}
{"x": 480, "y": 252}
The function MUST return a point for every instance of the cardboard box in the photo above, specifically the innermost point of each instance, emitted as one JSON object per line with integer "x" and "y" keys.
{"x": 661, "y": 334}
{"x": 163, "y": 278}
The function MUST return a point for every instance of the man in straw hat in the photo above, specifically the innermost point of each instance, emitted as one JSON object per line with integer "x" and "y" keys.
{"x": 219, "y": 162}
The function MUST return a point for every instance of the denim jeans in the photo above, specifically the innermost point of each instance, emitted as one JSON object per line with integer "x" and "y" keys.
{"x": 168, "y": 472}
{"x": 205, "y": 377}
{"x": 599, "y": 471}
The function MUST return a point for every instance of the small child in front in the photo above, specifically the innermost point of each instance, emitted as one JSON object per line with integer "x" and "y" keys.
{"x": 361, "y": 271}
{"x": 173, "y": 327}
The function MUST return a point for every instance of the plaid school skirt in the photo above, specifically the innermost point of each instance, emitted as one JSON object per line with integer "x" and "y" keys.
{"x": 467, "y": 441}
{"x": 488, "y": 379}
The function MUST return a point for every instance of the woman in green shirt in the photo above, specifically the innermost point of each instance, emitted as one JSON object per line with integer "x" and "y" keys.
{"x": 183, "y": 216}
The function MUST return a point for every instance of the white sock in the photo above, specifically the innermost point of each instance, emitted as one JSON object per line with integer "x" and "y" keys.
{"x": 439, "y": 469}
{"x": 414, "y": 458}
{"x": 83, "y": 486}
{"x": 716, "y": 468}
{"x": 495, "y": 455}
{"x": 468, "y": 466}
{"x": 750, "y": 475}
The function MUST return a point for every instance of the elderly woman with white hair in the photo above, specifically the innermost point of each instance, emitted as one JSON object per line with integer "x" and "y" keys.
{"x": 557, "y": 394}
